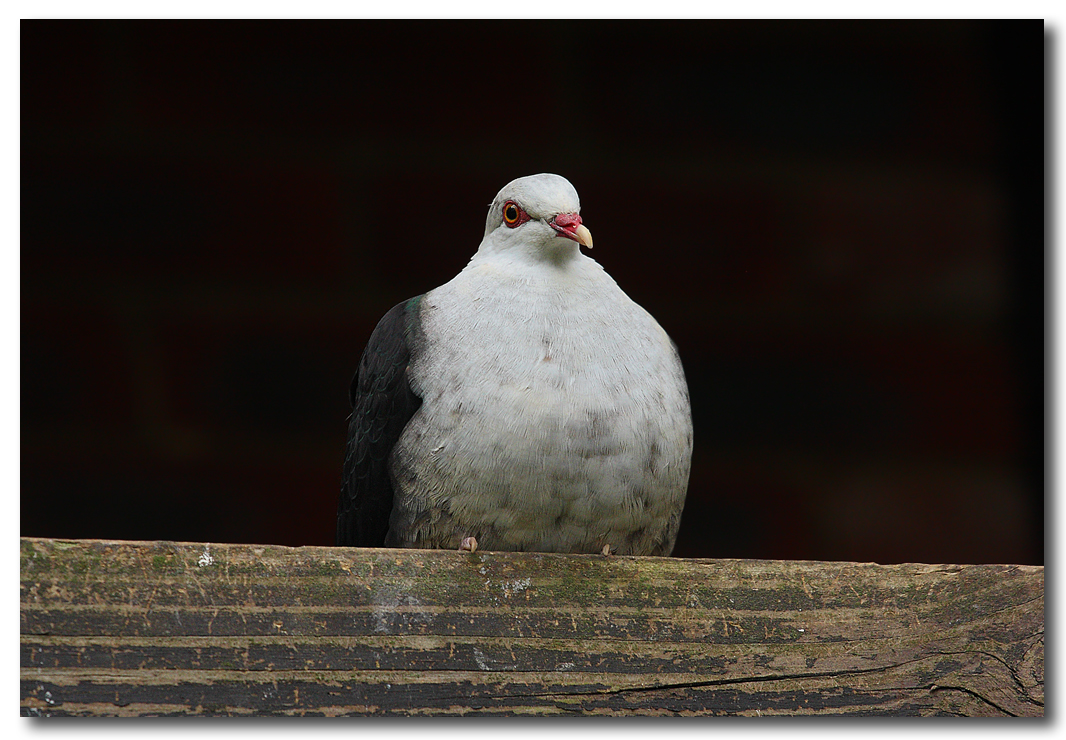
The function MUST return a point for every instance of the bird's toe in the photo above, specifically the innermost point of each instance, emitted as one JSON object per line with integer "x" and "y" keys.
{"x": 469, "y": 544}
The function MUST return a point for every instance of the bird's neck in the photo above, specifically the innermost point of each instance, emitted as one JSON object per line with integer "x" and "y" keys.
{"x": 557, "y": 253}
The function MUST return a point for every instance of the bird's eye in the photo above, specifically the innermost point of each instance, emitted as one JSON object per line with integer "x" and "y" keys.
{"x": 511, "y": 213}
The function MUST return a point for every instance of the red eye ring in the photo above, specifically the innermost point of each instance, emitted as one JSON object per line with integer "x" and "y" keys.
{"x": 513, "y": 215}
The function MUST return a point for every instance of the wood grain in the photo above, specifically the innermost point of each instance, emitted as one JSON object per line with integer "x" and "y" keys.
{"x": 163, "y": 628}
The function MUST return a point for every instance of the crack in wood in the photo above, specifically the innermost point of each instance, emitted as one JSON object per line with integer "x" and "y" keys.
{"x": 1023, "y": 690}
{"x": 933, "y": 688}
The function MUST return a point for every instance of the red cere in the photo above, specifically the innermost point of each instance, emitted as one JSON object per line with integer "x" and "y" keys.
{"x": 568, "y": 220}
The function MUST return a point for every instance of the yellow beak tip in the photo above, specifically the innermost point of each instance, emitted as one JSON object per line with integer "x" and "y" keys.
{"x": 584, "y": 236}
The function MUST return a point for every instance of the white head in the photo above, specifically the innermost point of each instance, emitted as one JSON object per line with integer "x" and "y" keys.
{"x": 538, "y": 215}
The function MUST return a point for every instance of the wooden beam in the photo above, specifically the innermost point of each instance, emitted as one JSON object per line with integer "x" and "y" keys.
{"x": 160, "y": 628}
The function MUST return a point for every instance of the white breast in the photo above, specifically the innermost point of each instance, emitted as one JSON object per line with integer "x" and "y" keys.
{"x": 555, "y": 413}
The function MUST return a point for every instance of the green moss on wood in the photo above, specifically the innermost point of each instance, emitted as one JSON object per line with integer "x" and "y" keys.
{"x": 516, "y": 633}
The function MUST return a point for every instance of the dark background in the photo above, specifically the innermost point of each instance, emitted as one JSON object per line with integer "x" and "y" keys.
{"x": 840, "y": 224}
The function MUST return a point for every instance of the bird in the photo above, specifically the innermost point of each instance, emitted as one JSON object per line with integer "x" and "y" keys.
{"x": 528, "y": 404}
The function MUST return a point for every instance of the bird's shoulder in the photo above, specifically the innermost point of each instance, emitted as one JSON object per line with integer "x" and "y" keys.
{"x": 388, "y": 351}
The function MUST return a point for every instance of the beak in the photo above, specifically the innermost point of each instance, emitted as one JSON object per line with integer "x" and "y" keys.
{"x": 570, "y": 226}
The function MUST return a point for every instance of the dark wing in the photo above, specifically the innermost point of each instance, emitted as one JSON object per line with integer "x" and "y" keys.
{"x": 382, "y": 404}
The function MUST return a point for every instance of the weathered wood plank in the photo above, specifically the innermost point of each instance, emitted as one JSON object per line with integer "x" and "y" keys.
{"x": 158, "y": 628}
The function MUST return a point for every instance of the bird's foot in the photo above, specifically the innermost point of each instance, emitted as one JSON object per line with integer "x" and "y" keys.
{"x": 606, "y": 551}
{"x": 468, "y": 543}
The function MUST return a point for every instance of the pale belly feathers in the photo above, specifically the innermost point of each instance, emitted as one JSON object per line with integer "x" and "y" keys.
{"x": 560, "y": 422}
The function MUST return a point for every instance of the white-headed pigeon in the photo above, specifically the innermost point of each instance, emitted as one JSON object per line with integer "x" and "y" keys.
{"x": 527, "y": 404}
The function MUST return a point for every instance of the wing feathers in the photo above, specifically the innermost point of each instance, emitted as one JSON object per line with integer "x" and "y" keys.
{"x": 382, "y": 404}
